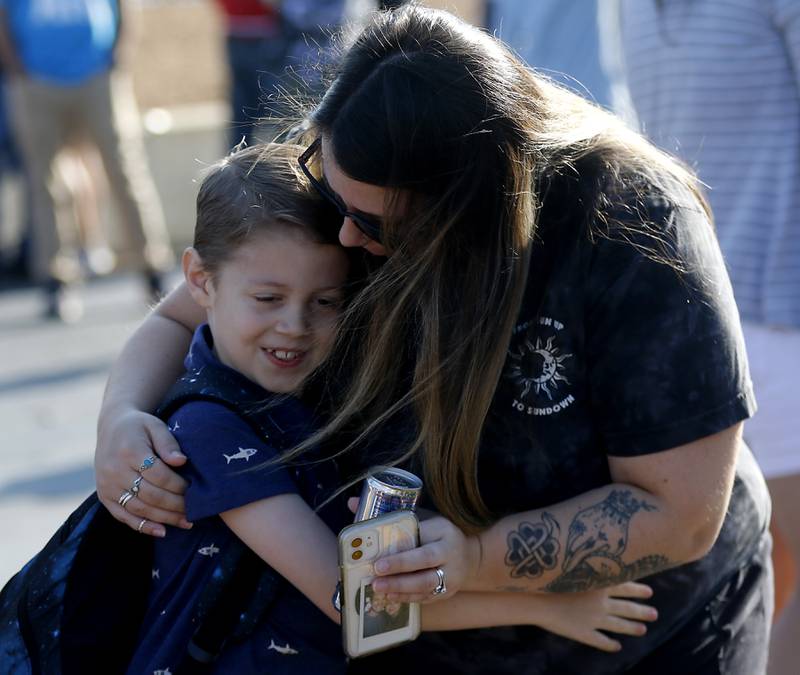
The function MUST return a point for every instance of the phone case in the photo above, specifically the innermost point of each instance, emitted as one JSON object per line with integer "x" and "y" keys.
{"x": 369, "y": 623}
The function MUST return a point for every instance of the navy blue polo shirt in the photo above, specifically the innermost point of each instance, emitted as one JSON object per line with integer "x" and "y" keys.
{"x": 295, "y": 636}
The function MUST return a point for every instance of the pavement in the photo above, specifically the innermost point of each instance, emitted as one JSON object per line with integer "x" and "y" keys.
{"x": 51, "y": 383}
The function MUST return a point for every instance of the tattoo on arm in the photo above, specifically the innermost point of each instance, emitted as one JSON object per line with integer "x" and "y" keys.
{"x": 598, "y": 572}
{"x": 596, "y": 540}
{"x": 533, "y": 547}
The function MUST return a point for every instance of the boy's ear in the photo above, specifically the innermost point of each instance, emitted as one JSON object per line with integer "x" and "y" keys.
{"x": 197, "y": 279}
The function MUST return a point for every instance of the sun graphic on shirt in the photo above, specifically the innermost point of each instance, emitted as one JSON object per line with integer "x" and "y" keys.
{"x": 538, "y": 367}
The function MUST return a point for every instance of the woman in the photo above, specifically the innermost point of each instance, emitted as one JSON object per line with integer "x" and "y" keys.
{"x": 554, "y": 316}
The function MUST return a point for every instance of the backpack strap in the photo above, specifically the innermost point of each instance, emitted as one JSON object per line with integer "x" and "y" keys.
{"x": 242, "y": 587}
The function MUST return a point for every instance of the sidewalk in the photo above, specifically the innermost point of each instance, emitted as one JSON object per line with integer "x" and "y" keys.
{"x": 51, "y": 382}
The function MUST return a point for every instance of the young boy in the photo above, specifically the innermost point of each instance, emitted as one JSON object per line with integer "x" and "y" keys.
{"x": 272, "y": 281}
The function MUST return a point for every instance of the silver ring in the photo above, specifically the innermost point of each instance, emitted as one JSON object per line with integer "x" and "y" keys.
{"x": 141, "y": 525}
{"x": 147, "y": 463}
{"x": 441, "y": 588}
{"x": 136, "y": 483}
{"x": 124, "y": 498}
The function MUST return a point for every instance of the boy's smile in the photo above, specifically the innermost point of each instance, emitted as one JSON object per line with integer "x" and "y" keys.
{"x": 273, "y": 305}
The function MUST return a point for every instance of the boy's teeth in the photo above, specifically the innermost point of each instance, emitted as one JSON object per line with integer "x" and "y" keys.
{"x": 284, "y": 355}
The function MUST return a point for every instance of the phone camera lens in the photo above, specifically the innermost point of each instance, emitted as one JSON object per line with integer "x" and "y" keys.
{"x": 356, "y": 542}
{"x": 357, "y": 555}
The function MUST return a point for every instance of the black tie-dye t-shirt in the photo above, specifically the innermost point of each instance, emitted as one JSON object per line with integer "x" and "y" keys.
{"x": 628, "y": 343}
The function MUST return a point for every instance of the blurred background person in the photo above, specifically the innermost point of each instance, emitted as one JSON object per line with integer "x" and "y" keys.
{"x": 309, "y": 26}
{"x": 561, "y": 39}
{"x": 718, "y": 84}
{"x": 81, "y": 167}
{"x": 14, "y": 203}
{"x": 256, "y": 58}
{"x": 275, "y": 47}
{"x": 66, "y": 85}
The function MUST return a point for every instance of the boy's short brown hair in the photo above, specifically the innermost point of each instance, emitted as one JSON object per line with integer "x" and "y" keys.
{"x": 255, "y": 189}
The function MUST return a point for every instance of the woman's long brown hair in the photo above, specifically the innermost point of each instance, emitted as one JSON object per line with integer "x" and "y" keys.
{"x": 465, "y": 137}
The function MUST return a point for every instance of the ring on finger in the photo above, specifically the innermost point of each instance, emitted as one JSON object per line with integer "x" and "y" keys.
{"x": 125, "y": 497}
{"x": 136, "y": 483}
{"x": 441, "y": 587}
{"x": 147, "y": 462}
{"x": 141, "y": 525}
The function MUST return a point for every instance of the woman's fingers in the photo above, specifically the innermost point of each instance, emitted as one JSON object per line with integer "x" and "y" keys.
{"x": 133, "y": 521}
{"x": 132, "y": 458}
{"x": 139, "y": 509}
{"x": 158, "y": 498}
{"x": 160, "y": 505}
{"x": 416, "y": 559}
{"x": 164, "y": 444}
{"x": 165, "y": 479}
{"x": 416, "y": 587}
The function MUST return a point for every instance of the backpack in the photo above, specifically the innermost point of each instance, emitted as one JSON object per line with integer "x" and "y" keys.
{"x": 50, "y": 624}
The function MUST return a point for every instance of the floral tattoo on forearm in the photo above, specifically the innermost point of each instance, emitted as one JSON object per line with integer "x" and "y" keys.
{"x": 596, "y": 540}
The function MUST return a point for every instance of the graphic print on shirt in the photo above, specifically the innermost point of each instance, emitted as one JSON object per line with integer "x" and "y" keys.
{"x": 537, "y": 367}
{"x": 244, "y": 453}
{"x": 286, "y": 651}
{"x": 208, "y": 550}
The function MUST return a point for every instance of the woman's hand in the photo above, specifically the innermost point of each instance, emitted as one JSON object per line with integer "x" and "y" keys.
{"x": 587, "y": 617}
{"x": 411, "y": 576}
{"x": 124, "y": 442}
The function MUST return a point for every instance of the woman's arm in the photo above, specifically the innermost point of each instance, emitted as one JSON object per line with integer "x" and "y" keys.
{"x": 149, "y": 363}
{"x": 664, "y": 509}
{"x": 286, "y": 533}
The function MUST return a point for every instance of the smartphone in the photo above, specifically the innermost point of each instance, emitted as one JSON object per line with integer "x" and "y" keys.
{"x": 369, "y": 622}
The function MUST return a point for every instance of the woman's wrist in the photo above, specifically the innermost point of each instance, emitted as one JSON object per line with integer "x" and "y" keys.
{"x": 474, "y": 563}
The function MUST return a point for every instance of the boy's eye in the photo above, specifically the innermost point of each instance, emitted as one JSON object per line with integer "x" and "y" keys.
{"x": 329, "y": 302}
{"x": 266, "y": 298}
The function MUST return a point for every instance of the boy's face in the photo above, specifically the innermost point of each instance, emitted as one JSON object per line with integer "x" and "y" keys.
{"x": 273, "y": 306}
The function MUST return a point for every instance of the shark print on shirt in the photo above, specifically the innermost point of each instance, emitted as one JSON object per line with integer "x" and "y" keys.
{"x": 244, "y": 453}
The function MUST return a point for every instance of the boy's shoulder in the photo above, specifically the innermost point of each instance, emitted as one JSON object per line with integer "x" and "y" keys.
{"x": 206, "y": 417}
{"x": 228, "y": 395}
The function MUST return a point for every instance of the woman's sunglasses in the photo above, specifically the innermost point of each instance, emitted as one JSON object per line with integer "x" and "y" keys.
{"x": 368, "y": 226}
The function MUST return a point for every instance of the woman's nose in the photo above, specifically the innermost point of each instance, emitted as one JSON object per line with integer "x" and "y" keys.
{"x": 351, "y": 236}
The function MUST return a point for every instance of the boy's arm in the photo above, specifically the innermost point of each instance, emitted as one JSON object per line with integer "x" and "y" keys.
{"x": 286, "y": 533}
{"x": 466, "y": 610}
{"x": 587, "y": 617}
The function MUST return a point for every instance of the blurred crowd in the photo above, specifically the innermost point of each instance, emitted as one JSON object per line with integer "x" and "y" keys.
{"x": 70, "y": 129}
{"x": 714, "y": 82}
